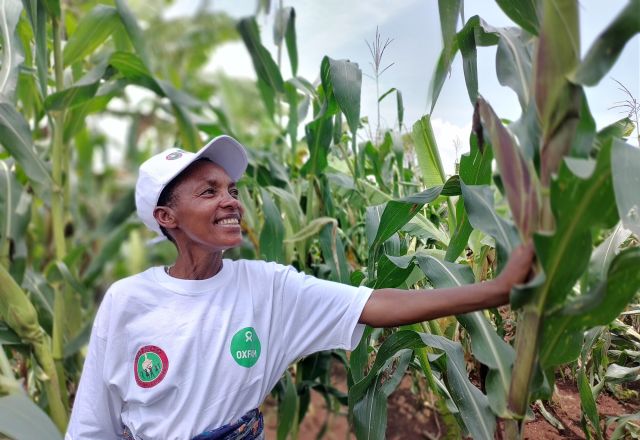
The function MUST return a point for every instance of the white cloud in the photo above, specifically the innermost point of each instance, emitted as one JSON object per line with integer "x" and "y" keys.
{"x": 448, "y": 135}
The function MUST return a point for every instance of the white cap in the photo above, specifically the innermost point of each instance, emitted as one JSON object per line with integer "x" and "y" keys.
{"x": 156, "y": 172}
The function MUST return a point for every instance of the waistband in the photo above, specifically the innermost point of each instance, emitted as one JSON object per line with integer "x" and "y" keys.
{"x": 248, "y": 427}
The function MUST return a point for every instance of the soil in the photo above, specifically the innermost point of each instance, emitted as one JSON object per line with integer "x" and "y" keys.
{"x": 412, "y": 416}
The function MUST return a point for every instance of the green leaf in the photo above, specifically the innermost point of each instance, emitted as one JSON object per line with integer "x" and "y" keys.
{"x": 287, "y": 407}
{"x": 579, "y": 205}
{"x": 79, "y": 93}
{"x": 475, "y": 169}
{"x": 587, "y": 402}
{"x": 312, "y": 229}
{"x": 607, "y": 48}
{"x": 133, "y": 31}
{"x": 474, "y": 33}
{"x": 15, "y": 137}
{"x": 625, "y": 163}
{"x": 370, "y": 414}
{"x": 524, "y": 12}
{"x": 37, "y": 14}
{"x": 93, "y": 30}
{"x": 131, "y": 67}
{"x": 318, "y": 134}
{"x": 514, "y": 62}
{"x": 486, "y": 345}
{"x": 427, "y": 151}
{"x": 53, "y": 7}
{"x": 472, "y": 404}
{"x": 619, "y": 374}
{"x": 15, "y": 206}
{"x": 8, "y": 336}
{"x": 397, "y": 213}
{"x": 346, "y": 80}
{"x": 284, "y": 27}
{"x": 21, "y": 419}
{"x": 517, "y": 174}
{"x": 333, "y": 251}
{"x": 478, "y": 202}
{"x": 272, "y": 233}
{"x": 12, "y": 55}
{"x": 448, "y": 10}
{"x": 266, "y": 69}
{"x": 605, "y": 252}
{"x": 557, "y": 101}
{"x": 443, "y": 67}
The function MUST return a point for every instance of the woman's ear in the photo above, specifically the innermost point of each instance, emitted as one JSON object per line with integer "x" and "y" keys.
{"x": 165, "y": 217}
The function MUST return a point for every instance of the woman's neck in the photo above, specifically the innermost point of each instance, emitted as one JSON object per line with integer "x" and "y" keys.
{"x": 189, "y": 266}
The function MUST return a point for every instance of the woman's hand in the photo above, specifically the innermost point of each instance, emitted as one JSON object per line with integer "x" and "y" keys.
{"x": 518, "y": 267}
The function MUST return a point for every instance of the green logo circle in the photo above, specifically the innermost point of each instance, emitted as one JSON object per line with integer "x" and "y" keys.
{"x": 245, "y": 347}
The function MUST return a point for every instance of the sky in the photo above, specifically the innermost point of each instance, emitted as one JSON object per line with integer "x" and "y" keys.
{"x": 341, "y": 28}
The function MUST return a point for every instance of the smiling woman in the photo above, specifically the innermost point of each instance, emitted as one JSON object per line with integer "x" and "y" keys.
{"x": 207, "y": 339}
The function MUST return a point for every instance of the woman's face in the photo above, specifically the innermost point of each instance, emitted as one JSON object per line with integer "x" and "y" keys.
{"x": 206, "y": 208}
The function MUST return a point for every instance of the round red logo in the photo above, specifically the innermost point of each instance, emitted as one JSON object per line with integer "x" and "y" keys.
{"x": 150, "y": 366}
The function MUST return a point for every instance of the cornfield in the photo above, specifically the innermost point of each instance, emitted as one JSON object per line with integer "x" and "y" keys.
{"x": 333, "y": 195}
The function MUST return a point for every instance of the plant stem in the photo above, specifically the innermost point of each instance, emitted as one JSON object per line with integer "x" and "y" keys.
{"x": 57, "y": 212}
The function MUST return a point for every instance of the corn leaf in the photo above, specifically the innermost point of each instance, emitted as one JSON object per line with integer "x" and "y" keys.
{"x": 486, "y": 345}
{"x": 21, "y": 419}
{"x": 523, "y": 12}
{"x": 332, "y": 249}
{"x": 579, "y": 205}
{"x": 266, "y": 69}
{"x": 478, "y": 202}
{"x": 625, "y": 163}
{"x": 15, "y": 137}
{"x": 37, "y": 14}
{"x": 607, "y": 48}
{"x": 475, "y": 169}
{"x": 427, "y": 151}
{"x": 272, "y": 233}
{"x": 346, "y": 80}
{"x": 514, "y": 62}
{"x": 12, "y": 55}
{"x": 92, "y": 31}
{"x": 287, "y": 407}
{"x": 588, "y": 403}
{"x": 284, "y": 27}
{"x": 517, "y": 174}
{"x": 397, "y": 213}
{"x": 133, "y": 31}
{"x": 318, "y": 134}
{"x": 449, "y": 10}
{"x": 15, "y": 204}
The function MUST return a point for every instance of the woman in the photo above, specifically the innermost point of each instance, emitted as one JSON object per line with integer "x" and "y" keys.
{"x": 191, "y": 350}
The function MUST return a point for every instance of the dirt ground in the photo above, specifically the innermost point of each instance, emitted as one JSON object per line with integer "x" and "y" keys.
{"x": 410, "y": 417}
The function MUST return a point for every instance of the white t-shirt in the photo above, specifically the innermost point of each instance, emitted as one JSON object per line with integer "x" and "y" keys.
{"x": 172, "y": 358}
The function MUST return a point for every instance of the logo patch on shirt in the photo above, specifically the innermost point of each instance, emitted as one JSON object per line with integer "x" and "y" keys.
{"x": 245, "y": 347}
{"x": 150, "y": 366}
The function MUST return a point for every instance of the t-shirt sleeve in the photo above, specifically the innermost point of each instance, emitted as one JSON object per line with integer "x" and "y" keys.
{"x": 319, "y": 314}
{"x": 96, "y": 409}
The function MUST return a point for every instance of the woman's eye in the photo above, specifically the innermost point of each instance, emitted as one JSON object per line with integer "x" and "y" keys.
{"x": 234, "y": 193}
{"x": 208, "y": 191}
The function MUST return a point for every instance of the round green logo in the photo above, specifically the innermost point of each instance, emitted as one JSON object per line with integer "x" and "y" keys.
{"x": 245, "y": 347}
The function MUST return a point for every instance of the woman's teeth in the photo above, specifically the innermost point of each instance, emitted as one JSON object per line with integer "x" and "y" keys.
{"x": 228, "y": 221}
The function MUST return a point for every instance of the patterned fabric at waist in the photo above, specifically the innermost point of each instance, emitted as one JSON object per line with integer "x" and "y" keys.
{"x": 248, "y": 427}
